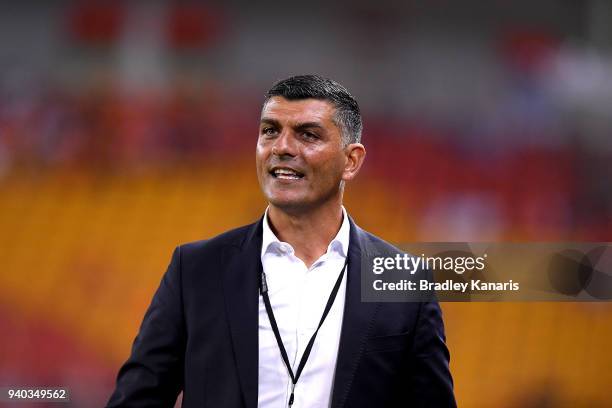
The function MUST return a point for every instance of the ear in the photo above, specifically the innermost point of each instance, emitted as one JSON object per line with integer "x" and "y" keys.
{"x": 355, "y": 155}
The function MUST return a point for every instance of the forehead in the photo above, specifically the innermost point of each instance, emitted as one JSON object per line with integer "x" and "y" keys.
{"x": 299, "y": 111}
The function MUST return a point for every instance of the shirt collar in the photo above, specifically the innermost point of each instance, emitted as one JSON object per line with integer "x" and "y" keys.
{"x": 339, "y": 244}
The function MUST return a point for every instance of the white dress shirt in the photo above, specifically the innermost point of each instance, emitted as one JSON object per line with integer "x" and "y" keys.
{"x": 298, "y": 296}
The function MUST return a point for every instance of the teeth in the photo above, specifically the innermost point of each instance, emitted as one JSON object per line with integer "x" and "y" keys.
{"x": 286, "y": 174}
{"x": 283, "y": 171}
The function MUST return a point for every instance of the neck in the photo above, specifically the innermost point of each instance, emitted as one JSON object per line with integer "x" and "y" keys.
{"x": 309, "y": 233}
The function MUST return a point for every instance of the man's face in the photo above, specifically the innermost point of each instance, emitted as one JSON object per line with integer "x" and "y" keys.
{"x": 300, "y": 156}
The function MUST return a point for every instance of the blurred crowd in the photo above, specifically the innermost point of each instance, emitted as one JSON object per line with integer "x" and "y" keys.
{"x": 536, "y": 175}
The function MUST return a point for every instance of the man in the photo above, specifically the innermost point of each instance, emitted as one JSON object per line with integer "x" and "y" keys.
{"x": 269, "y": 314}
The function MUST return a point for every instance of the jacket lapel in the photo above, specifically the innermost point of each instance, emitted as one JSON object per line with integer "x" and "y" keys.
{"x": 241, "y": 290}
{"x": 357, "y": 320}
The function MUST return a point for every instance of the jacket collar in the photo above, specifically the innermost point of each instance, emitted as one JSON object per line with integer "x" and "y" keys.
{"x": 358, "y": 318}
{"x": 241, "y": 293}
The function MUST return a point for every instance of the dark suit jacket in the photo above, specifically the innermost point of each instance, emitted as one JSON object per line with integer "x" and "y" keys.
{"x": 200, "y": 335}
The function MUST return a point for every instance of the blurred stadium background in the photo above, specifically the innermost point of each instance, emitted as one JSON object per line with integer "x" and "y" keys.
{"x": 127, "y": 128}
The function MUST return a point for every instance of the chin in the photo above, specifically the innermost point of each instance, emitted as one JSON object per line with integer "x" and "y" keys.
{"x": 287, "y": 203}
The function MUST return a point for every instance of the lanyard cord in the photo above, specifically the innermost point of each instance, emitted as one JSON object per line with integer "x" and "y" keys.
{"x": 332, "y": 297}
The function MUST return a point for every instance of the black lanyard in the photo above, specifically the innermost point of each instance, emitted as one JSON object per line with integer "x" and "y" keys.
{"x": 264, "y": 293}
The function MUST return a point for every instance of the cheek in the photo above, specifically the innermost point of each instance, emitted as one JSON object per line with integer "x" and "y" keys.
{"x": 259, "y": 151}
{"x": 260, "y": 164}
{"x": 330, "y": 173}
{"x": 261, "y": 154}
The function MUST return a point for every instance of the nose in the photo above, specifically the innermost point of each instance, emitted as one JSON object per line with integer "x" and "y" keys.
{"x": 284, "y": 145}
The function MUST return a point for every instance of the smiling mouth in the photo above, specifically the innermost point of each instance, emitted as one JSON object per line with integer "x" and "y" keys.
{"x": 286, "y": 174}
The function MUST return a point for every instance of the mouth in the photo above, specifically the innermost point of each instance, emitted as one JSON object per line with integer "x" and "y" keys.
{"x": 286, "y": 173}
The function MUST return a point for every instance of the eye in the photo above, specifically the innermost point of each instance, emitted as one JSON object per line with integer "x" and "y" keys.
{"x": 268, "y": 131}
{"x": 310, "y": 135}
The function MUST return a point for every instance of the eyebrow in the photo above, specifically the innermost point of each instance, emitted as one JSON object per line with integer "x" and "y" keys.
{"x": 305, "y": 125}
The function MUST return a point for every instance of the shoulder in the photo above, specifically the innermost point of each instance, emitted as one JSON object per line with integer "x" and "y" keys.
{"x": 371, "y": 243}
{"x": 212, "y": 246}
